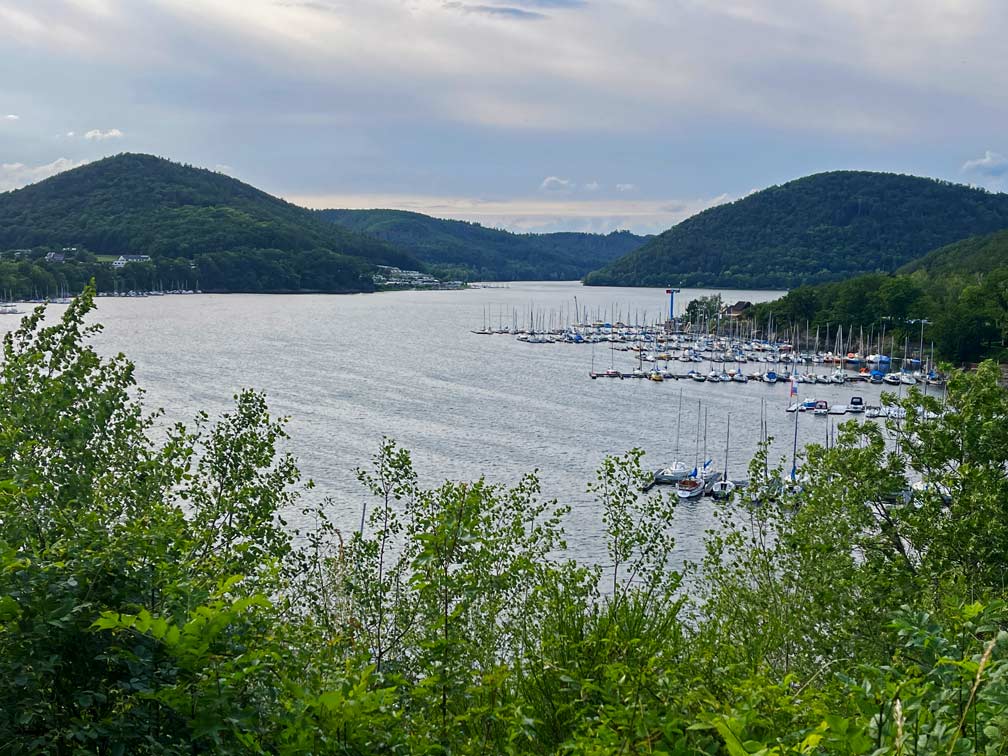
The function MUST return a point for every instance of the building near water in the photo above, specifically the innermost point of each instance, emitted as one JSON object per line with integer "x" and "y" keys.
{"x": 124, "y": 259}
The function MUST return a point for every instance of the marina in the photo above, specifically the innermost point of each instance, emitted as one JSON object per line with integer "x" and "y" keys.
{"x": 349, "y": 370}
{"x": 725, "y": 350}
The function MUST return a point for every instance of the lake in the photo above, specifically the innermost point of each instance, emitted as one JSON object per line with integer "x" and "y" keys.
{"x": 349, "y": 369}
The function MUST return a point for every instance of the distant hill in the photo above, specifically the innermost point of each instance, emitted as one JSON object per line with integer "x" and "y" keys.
{"x": 240, "y": 238}
{"x": 978, "y": 254}
{"x": 824, "y": 227}
{"x": 474, "y": 252}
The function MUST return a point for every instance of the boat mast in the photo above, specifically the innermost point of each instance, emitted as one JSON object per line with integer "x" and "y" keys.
{"x": 726, "y": 442}
{"x": 794, "y": 450}
{"x": 677, "y": 427}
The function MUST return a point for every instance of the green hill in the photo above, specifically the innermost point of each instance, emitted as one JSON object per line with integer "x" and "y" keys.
{"x": 959, "y": 291}
{"x": 978, "y": 254}
{"x": 824, "y": 227}
{"x": 237, "y": 237}
{"x": 473, "y": 252}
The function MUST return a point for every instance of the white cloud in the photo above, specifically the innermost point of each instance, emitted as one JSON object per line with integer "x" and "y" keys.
{"x": 557, "y": 184}
{"x": 16, "y": 175}
{"x": 592, "y": 186}
{"x": 624, "y": 188}
{"x": 12, "y": 117}
{"x": 991, "y": 164}
{"x": 990, "y": 171}
{"x": 532, "y": 215}
{"x": 848, "y": 67}
{"x": 99, "y": 136}
{"x": 71, "y": 134}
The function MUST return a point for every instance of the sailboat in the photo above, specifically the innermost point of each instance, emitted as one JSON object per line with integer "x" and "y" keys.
{"x": 677, "y": 470}
{"x": 791, "y": 485}
{"x": 724, "y": 488}
{"x": 695, "y": 484}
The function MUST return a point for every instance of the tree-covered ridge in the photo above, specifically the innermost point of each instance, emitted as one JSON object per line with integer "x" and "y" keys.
{"x": 470, "y": 251}
{"x": 141, "y": 204}
{"x": 960, "y": 290}
{"x": 978, "y": 254}
{"x": 824, "y": 227}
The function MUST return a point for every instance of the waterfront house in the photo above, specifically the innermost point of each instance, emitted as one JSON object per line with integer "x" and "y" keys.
{"x": 124, "y": 259}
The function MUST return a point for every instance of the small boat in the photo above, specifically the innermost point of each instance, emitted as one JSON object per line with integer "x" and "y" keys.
{"x": 770, "y": 377}
{"x": 677, "y": 470}
{"x": 671, "y": 475}
{"x": 691, "y": 487}
{"x": 821, "y": 408}
{"x": 872, "y": 411}
{"x": 723, "y": 488}
{"x": 856, "y": 405}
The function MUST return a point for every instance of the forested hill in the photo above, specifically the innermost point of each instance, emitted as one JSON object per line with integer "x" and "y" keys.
{"x": 958, "y": 291}
{"x": 824, "y": 227}
{"x": 242, "y": 237}
{"x": 978, "y": 254}
{"x": 458, "y": 249}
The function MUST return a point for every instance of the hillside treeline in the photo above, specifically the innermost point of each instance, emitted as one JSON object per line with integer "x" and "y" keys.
{"x": 960, "y": 290}
{"x": 825, "y": 227}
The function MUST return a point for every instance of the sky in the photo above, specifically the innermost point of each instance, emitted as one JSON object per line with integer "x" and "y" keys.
{"x": 531, "y": 115}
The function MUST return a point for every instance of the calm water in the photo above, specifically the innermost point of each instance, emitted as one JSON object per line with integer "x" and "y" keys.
{"x": 348, "y": 369}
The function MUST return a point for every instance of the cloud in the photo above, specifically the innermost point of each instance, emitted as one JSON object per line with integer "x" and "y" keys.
{"x": 502, "y": 11}
{"x": 989, "y": 171}
{"x": 991, "y": 164}
{"x": 314, "y": 5}
{"x": 12, "y": 117}
{"x": 16, "y": 175}
{"x": 624, "y": 188}
{"x": 557, "y": 184}
{"x": 99, "y": 136}
{"x": 552, "y": 3}
{"x": 592, "y": 186}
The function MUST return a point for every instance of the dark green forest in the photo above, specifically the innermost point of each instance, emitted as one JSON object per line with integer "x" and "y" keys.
{"x": 154, "y": 600}
{"x": 240, "y": 238}
{"x": 960, "y": 290}
{"x": 978, "y": 254}
{"x": 825, "y": 227}
{"x": 253, "y": 271}
{"x": 468, "y": 251}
